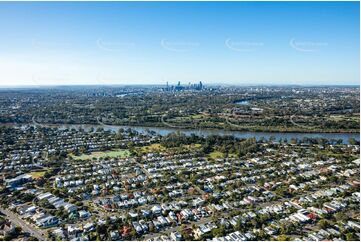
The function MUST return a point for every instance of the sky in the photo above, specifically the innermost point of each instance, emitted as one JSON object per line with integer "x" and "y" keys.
{"x": 240, "y": 43}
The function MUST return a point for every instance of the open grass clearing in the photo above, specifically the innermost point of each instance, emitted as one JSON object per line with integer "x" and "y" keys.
{"x": 37, "y": 174}
{"x": 120, "y": 153}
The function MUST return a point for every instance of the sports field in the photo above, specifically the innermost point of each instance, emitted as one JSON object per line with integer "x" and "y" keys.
{"x": 101, "y": 154}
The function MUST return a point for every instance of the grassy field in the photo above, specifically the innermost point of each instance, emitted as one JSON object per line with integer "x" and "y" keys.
{"x": 37, "y": 174}
{"x": 216, "y": 155}
{"x": 158, "y": 148}
{"x": 192, "y": 146}
{"x": 102, "y": 154}
{"x": 220, "y": 155}
{"x": 153, "y": 148}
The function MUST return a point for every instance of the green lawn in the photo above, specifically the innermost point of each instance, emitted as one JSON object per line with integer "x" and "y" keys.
{"x": 192, "y": 146}
{"x": 153, "y": 148}
{"x": 37, "y": 174}
{"x": 101, "y": 154}
{"x": 216, "y": 155}
{"x": 220, "y": 155}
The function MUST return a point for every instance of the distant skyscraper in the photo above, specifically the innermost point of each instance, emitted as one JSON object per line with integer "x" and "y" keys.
{"x": 179, "y": 87}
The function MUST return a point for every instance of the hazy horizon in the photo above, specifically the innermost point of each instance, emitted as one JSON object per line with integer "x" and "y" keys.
{"x": 150, "y": 43}
{"x": 184, "y": 84}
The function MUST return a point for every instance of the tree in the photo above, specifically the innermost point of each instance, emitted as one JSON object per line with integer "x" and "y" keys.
{"x": 133, "y": 233}
{"x": 46, "y": 204}
{"x": 283, "y": 237}
{"x": 351, "y": 237}
{"x": 323, "y": 223}
{"x": 219, "y": 232}
{"x": 340, "y": 216}
{"x": 353, "y": 141}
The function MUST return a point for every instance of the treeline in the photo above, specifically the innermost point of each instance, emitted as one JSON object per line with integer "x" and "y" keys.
{"x": 232, "y": 146}
{"x": 224, "y": 144}
{"x": 323, "y": 141}
{"x": 177, "y": 139}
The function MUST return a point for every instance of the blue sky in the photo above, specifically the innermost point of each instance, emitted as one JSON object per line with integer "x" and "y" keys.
{"x": 49, "y": 43}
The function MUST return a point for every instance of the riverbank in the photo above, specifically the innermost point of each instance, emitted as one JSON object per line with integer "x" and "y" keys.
{"x": 230, "y": 128}
{"x": 267, "y": 129}
{"x": 345, "y": 137}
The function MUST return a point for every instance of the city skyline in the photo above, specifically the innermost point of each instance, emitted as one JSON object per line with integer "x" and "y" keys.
{"x": 233, "y": 43}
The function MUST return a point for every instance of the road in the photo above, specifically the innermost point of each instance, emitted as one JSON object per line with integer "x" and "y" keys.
{"x": 36, "y": 123}
{"x": 144, "y": 170}
{"x": 24, "y": 225}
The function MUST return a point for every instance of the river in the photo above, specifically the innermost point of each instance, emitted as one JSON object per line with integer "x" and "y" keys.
{"x": 207, "y": 132}
{"x": 242, "y": 102}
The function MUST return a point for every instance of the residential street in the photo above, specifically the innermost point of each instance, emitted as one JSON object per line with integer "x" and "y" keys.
{"x": 25, "y": 226}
